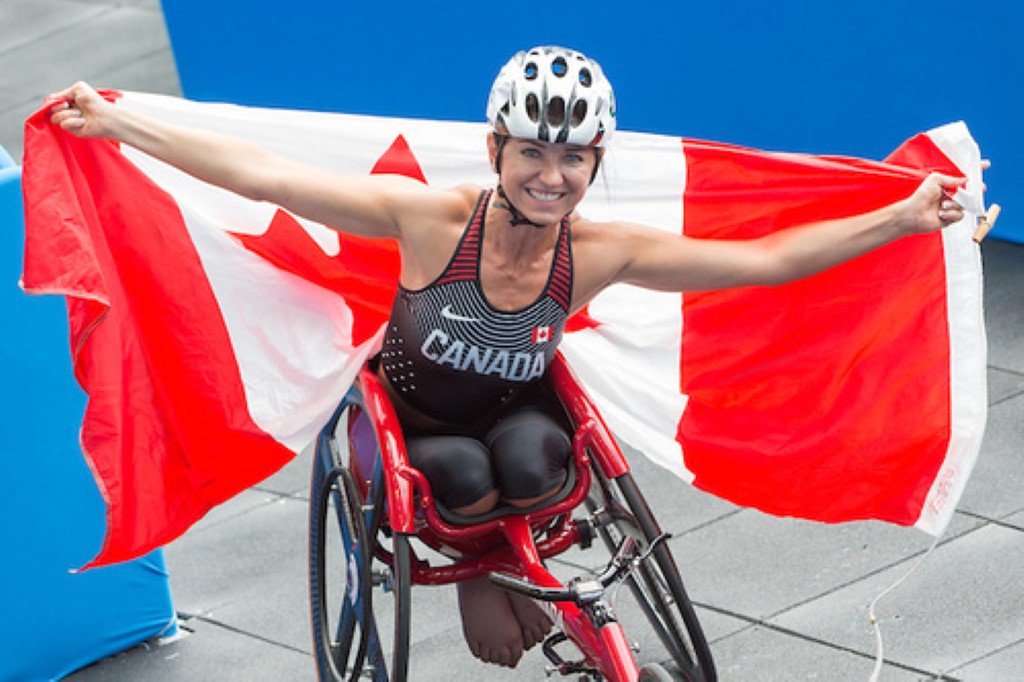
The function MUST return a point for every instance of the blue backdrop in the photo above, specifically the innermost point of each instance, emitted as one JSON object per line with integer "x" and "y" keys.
{"x": 835, "y": 78}
{"x": 53, "y": 517}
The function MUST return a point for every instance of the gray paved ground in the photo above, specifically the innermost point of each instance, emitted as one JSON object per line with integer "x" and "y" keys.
{"x": 780, "y": 599}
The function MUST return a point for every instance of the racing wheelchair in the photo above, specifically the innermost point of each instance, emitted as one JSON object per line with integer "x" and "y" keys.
{"x": 376, "y": 530}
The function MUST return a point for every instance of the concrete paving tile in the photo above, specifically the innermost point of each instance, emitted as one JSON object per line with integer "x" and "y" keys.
{"x": 239, "y": 505}
{"x": 210, "y": 652}
{"x": 445, "y": 657}
{"x": 1004, "y": 303}
{"x": 435, "y": 611}
{"x": 962, "y": 603}
{"x": 1015, "y": 521}
{"x": 249, "y": 573}
{"x": 151, "y": 5}
{"x": 45, "y": 64}
{"x": 760, "y": 654}
{"x": 1003, "y": 385}
{"x": 276, "y": 612}
{"x": 153, "y": 72}
{"x": 996, "y": 486}
{"x": 1004, "y": 664}
{"x": 755, "y": 565}
{"x": 141, "y": 61}
{"x": 718, "y": 626}
{"x": 38, "y": 19}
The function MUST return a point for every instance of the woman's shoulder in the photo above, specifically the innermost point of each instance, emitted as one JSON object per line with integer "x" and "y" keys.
{"x": 606, "y": 246}
{"x": 432, "y": 228}
{"x": 589, "y": 231}
{"x": 458, "y": 203}
{"x": 469, "y": 194}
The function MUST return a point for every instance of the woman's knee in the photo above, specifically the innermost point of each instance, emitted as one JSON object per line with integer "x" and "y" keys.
{"x": 458, "y": 468}
{"x": 530, "y": 452}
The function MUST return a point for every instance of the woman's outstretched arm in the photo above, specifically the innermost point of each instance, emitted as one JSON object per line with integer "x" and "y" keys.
{"x": 375, "y": 206}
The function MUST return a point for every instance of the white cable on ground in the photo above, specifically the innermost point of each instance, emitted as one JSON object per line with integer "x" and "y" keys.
{"x": 879, "y": 648}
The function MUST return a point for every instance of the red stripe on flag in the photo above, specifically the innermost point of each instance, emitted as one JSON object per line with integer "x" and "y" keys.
{"x": 777, "y": 389}
{"x": 167, "y": 431}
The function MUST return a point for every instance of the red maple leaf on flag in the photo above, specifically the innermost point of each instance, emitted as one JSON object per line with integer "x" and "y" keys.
{"x": 365, "y": 270}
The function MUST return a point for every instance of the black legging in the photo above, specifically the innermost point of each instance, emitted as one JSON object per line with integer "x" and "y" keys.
{"x": 524, "y": 455}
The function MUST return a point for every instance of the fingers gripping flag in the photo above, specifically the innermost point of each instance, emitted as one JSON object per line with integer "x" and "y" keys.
{"x": 215, "y": 335}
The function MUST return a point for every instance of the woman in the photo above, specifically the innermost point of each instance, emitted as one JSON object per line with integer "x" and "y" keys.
{"x": 489, "y": 278}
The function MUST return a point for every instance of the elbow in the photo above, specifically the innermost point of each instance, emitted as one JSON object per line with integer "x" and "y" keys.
{"x": 256, "y": 191}
{"x": 773, "y": 274}
{"x": 767, "y": 267}
{"x": 260, "y": 178}
{"x": 258, "y": 187}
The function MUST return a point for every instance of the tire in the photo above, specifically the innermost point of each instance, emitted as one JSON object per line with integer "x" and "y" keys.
{"x": 357, "y": 630}
{"x": 653, "y": 672}
{"x": 656, "y": 585}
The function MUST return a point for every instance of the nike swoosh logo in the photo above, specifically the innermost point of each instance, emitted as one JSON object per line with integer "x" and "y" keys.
{"x": 448, "y": 313}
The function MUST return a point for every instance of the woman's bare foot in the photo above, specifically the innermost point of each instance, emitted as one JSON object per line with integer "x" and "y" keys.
{"x": 534, "y": 621}
{"x": 489, "y": 624}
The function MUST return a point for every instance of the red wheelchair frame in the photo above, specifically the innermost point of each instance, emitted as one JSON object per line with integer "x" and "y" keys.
{"x": 363, "y": 482}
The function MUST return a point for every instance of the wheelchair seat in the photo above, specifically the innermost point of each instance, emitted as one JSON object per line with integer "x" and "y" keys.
{"x": 507, "y": 509}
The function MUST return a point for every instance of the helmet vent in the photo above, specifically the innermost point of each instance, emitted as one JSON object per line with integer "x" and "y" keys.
{"x": 559, "y": 67}
{"x": 530, "y": 71}
{"x": 586, "y": 78}
{"x": 532, "y": 107}
{"x": 556, "y": 111}
{"x": 579, "y": 112}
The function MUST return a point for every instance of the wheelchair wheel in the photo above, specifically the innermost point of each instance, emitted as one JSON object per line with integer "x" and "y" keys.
{"x": 360, "y": 614}
{"x": 652, "y": 672}
{"x": 656, "y": 584}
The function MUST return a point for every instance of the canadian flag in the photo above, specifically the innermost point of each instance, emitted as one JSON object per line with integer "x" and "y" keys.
{"x": 541, "y": 335}
{"x": 215, "y": 335}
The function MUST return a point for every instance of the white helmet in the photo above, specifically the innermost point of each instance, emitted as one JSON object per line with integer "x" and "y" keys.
{"x": 553, "y": 94}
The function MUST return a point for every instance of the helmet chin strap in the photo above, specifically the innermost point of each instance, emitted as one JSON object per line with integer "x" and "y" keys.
{"x": 516, "y": 218}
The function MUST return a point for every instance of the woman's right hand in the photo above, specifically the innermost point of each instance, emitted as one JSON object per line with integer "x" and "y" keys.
{"x": 82, "y": 111}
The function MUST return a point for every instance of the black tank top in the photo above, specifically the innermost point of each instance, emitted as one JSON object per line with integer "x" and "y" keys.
{"x": 454, "y": 357}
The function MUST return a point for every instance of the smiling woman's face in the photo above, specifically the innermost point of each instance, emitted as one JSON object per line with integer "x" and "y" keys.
{"x": 544, "y": 181}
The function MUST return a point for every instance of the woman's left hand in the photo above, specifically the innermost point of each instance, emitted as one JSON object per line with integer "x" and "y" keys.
{"x": 931, "y": 206}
